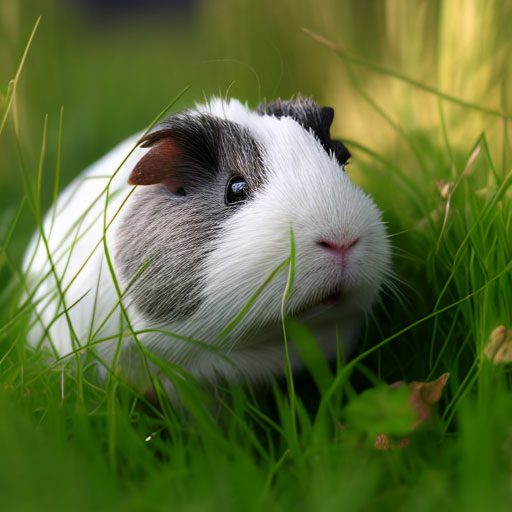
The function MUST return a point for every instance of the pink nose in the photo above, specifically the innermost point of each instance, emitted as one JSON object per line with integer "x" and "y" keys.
{"x": 338, "y": 249}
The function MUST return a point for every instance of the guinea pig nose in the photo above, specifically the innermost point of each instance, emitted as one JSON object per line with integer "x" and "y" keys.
{"x": 338, "y": 248}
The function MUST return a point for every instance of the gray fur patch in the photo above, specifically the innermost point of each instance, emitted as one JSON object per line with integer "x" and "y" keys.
{"x": 164, "y": 238}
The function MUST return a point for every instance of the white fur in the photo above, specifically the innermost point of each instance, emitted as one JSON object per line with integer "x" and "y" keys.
{"x": 306, "y": 192}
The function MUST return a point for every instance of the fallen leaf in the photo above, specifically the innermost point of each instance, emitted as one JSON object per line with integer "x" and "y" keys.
{"x": 470, "y": 164}
{"x": 403, "y": 443}
{"x": 424, "y": 395}
{"x": 384, "y": 442}
{"x": 381, "y": 442}
{"x": 499, "y": 347}
{"x": 445, "y": 188}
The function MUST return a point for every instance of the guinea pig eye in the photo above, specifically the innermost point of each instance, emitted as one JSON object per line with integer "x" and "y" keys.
{"x": 236, "y": 190}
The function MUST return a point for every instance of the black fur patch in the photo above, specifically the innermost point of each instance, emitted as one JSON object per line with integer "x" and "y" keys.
{"x": 310, "y": 116}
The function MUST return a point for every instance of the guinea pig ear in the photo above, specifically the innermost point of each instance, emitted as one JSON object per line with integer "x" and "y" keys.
{"x": 184, "y": 150}
{"x": 310, "y": 116}
{"x": 157, "y": 165}
{"x": 305, "y": 111}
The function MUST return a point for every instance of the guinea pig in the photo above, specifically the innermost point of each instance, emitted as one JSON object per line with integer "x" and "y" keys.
{"x": 177, "y": 246}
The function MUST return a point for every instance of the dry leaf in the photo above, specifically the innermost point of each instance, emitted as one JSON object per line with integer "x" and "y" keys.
{"x": 470, "y": 164}
{"x": 445, "y": 188}
{"x": 423, "y": 396}
{"x": 499, "y": 347}
{"x": 381, "y": 442}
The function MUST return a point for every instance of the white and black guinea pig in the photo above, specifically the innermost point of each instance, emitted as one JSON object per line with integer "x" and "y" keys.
{"x": 175, "y": 245}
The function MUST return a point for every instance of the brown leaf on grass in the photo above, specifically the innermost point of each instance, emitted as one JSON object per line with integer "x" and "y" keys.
{"x": 384, "y": 442}
{"x": 470, "y": 164}
{"x": 424, "y": 395}
{"x": 445, "y": 188}
{"x": 499, "y": 347}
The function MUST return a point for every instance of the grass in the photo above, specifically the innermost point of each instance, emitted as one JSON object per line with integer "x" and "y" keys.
{"x": 419, "y": 99}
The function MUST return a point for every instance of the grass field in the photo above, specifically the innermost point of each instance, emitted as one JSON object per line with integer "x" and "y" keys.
{"x": 423, "y": 99}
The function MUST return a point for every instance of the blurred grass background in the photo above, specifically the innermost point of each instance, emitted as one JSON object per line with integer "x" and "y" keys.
{"x": 112, "y": 71}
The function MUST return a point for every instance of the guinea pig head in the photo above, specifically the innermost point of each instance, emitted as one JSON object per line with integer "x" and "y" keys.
{"x": 305, "y": 199}
{"x": 223, "y": 194}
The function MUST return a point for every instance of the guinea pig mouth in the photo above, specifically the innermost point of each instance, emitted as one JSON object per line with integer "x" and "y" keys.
{"x": 331, "y": 299}
{"x": 311, "y": 310}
